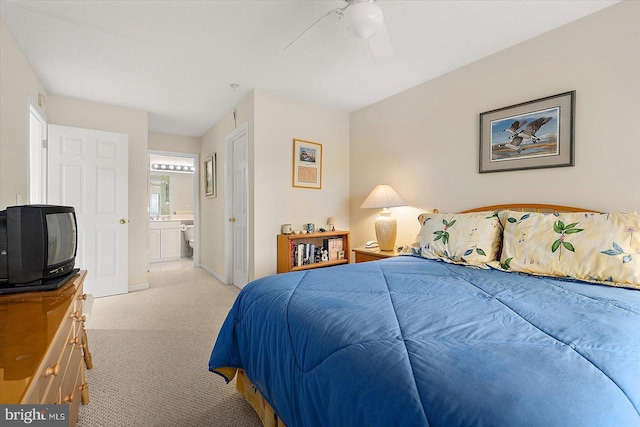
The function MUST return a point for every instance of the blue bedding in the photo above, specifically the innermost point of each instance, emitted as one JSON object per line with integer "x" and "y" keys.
{"x": 413, "y": 342}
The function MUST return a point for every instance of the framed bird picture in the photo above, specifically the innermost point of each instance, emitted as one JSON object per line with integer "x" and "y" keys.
{"x": 530, "y": 135}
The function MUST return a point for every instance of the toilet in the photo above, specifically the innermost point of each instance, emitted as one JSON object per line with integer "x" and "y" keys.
{"x": 189, "y": 235}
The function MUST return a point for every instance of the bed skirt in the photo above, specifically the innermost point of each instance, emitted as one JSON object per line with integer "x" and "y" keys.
{"x": 266, "y": 413}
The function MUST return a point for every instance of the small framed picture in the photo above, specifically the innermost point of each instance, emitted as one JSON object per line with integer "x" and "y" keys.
{"x": 340, "y": 254}
{"x": 307, "y": 164}
{"x": 210, "y": 175}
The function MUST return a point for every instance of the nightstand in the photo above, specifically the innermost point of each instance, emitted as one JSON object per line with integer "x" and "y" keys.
{"x": 373, "y": 254}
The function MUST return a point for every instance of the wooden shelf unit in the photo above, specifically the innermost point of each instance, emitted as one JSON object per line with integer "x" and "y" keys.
{"x": 285, "y": 255}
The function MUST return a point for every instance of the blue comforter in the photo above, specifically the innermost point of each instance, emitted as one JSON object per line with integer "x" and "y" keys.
{"x": 413, "y": 342}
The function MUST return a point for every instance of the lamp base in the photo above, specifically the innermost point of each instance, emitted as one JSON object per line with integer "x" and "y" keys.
{"x": 386, "y": 231}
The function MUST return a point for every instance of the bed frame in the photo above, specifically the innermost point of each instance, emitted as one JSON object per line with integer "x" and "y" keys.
{"x": 530, "y": 207}
{"x": 265, "y": 411}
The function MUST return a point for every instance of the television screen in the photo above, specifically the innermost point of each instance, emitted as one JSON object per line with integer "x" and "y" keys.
{"x": 60, "y": 247}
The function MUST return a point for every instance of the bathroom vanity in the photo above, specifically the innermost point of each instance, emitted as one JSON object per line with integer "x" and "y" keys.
{"x": 166, "y": 238}
{"x": 165, "y": 241}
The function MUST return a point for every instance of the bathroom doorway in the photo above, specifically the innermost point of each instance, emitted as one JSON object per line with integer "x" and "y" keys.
{"x": 173, "y": 207}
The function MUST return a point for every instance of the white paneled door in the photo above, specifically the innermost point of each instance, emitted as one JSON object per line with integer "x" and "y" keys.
{"x": 88, "y": 169}
{"x": 237, "y": 144}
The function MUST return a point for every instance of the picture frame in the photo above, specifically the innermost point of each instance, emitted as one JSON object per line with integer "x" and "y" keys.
{"x": 210, "y": 175}
{"x": 531, "y": 135}
{"x": 307, "y": 164}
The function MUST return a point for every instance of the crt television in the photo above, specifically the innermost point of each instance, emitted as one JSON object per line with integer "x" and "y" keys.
{"x": 38, "y": 245}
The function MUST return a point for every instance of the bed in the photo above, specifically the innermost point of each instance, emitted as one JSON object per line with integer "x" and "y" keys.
{"x": 465, "y": 329}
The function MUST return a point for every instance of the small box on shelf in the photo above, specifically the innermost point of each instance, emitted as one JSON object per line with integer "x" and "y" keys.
{"x": 312, "y": 250}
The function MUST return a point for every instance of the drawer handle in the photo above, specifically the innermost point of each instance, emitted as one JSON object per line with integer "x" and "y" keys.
{"x": 53, "y": 370}
{"x": 77, "y": 317}
{"x": 68, "y": 398}
{"x": 83, "y": 297}
{"x": 73, "y": 341}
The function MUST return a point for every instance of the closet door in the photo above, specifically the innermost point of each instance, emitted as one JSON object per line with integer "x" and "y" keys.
{"x": 237, "y": 205}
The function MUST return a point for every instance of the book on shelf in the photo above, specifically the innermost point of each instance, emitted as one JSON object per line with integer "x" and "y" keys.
{"x": 300, "y": 254}
{"x": 305, "y": 253}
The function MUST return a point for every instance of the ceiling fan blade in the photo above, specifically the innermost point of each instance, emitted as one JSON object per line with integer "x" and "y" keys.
{"x": 337, "y": 11}
{"x": 381, "y": 47}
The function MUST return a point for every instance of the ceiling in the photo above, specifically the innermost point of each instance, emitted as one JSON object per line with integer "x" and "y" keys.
{"x": 178, "y": 59}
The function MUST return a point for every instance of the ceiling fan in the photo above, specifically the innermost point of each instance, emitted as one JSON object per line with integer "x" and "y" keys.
{"x": 365, "y": 20}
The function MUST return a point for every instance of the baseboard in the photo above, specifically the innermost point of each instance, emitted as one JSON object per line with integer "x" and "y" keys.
{"x": 213, "y": 273}
{"x": 138, "y": 287}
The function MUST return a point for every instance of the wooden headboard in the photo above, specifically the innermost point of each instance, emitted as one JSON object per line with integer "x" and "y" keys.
{"x": 530, "y": 207}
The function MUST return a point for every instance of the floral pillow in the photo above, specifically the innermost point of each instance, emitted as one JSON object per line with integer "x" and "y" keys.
{"x": 596, "y": 247}
{"x": 469, "y": 239}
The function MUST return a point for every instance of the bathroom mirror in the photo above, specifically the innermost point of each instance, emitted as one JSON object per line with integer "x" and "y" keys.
{"x": 159, "y": 201}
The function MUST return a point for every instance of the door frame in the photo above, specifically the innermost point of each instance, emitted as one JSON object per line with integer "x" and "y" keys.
{"x": 228, "y": 203}
{"x": 38, "y": 151}
{"x": 196, "y": 198}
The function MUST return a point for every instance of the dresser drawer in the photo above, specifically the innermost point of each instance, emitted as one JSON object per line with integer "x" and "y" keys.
{"x": 77, "y": 397}
{"x": 54, "y": 361}
{"x": 366, "y": 257}
{"x": 62, "y": 323}
{"x": 49, "y": 386}
{"x": 69, "y": 391}
{"x": 73, "y": 345}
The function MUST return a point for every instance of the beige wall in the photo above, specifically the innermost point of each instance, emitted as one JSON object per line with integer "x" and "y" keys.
{"x": 91, "y": 115}
{"x": 278, "y": 121}
{"x": 18, "y": 84}
{"x": 274, "y": 122}
{"x": 424, "y": 141}
{"x": 174, "y": 143}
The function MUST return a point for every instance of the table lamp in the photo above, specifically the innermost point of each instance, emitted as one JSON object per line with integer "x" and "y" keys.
{"x": 331, "y": 222}
{"x": 384, "y": 196}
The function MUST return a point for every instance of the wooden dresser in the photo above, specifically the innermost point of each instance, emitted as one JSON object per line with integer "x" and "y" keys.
{"x": 42, "y": 347}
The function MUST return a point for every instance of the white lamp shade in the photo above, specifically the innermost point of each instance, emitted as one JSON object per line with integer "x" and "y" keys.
{"x": 364, "y": 19}
{"x": 383, "y": 196}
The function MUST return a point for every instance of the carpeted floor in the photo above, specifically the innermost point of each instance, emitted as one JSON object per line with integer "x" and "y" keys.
{"x": 150, "y": 353}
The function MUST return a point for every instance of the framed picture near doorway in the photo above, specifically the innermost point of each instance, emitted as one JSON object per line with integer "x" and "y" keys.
{"x": 210, "y": 175}
{"x": 307, "y": 164}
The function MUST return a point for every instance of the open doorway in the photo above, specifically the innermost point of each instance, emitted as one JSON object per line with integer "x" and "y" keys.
{"x": 173, "y": 207}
